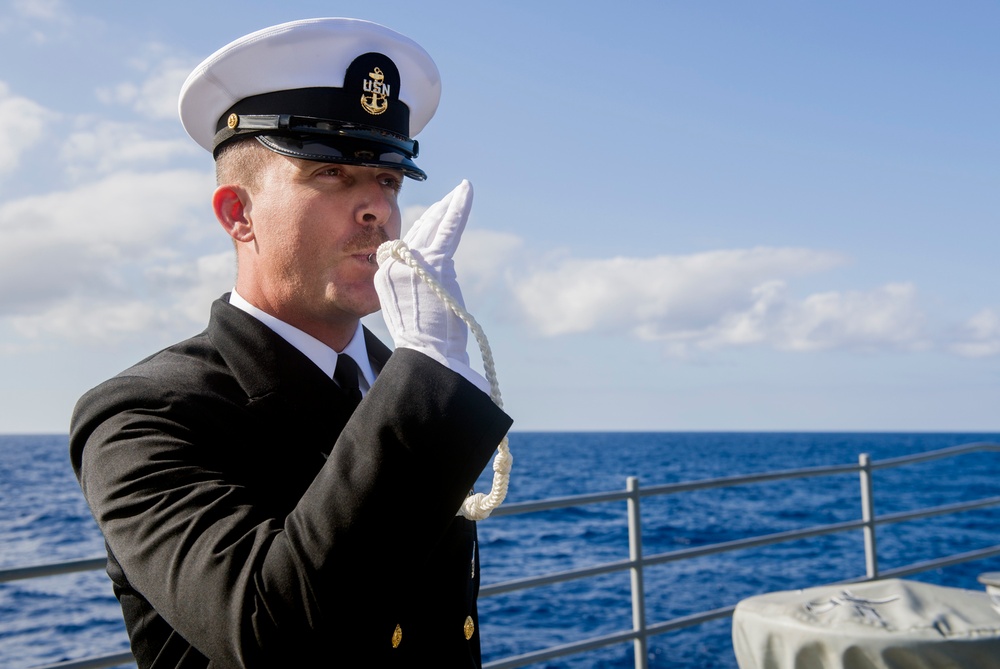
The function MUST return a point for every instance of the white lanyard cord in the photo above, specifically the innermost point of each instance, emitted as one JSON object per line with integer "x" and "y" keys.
{"x": 477, "y": 506}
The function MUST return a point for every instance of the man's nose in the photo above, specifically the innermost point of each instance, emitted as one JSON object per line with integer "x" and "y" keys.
{"x": 376, "y": 205}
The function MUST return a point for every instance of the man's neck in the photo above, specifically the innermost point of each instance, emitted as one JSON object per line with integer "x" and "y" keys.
{"x": 321, "y": 353}
{"x": 334, "y": 333}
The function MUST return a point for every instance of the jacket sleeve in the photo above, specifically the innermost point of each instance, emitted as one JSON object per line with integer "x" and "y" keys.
{"x": 243, "y": 583}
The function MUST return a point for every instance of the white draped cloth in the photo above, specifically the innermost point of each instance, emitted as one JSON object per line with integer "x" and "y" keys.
{"x": 890, "y": 624}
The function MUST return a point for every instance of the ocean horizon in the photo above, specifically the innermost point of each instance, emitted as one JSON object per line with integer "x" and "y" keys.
{"x": 43, "y": 518}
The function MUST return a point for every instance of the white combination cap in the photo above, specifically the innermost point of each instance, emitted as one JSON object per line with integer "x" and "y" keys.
{"x": 330, "y": 89}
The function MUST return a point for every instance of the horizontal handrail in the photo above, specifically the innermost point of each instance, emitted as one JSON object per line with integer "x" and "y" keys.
{"x": 57, "y": 569}
{"x": 753, "y": 542}
{"x": 518, "y": 508}
{"x": 672, "y": 556}
{"x": 959, "y": 558}
{"x": 690, "y": 620}
{"x": 53, "y": 569}
{"x": 950, "y": 452}
{"x": 744, "y": 479}
{"x": 931, "y": 512}
{"x": 557, "y": 577}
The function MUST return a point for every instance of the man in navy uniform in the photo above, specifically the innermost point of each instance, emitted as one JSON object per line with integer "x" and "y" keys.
{"x": 281, "y": 490}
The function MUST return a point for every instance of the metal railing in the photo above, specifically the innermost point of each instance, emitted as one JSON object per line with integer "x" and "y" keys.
{"x": 636, "y": 563}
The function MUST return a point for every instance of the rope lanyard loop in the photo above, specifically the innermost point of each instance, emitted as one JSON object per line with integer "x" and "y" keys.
{"x": 479, "y": 505}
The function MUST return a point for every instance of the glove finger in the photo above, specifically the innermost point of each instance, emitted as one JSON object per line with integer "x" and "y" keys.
{"x": 422, "y": 232}
{"x": 449, "y": 232}
{"x": 437, "y": 233}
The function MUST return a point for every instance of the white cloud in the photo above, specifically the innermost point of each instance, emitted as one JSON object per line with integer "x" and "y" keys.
{"x": 44, "y": 22}
{"x": 980, "y": 336}
{"x": 91, "y": 261}
{"x": 94, "y": 239}
{"x": 484, "y": 258}
{"x": 107, "y": 146}
{"x": 717, "y": 299}
{"x": 886, "y": 317}
{"x": 174, "y": 302}
{"x": 193, "y": 285}
{"x": 47, "y": 10}
{"x": 89, "y": 320}
{"x": 651, "y": 296}
{"x": 156, "y": 95}
{"x": 22, "y": 125}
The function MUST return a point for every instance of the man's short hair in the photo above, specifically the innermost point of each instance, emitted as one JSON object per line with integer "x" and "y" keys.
{"x": 241, "y": 162}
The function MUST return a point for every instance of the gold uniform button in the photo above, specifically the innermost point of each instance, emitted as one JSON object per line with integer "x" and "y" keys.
{"x": 233, "y": 121}
{"x": 397, "y": 636}
{"x": 470, "y": 628}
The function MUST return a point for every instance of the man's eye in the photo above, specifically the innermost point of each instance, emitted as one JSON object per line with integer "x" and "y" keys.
{"x": 394, "y": 183}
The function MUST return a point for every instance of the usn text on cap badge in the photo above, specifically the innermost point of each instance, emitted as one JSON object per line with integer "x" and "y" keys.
{"x": 375, "y": 99}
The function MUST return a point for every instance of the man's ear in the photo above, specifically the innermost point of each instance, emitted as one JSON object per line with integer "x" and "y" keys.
{"x": 231, "y": 205}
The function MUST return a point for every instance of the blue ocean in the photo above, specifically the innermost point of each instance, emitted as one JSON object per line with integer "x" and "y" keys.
{"x": 43, "y": 518}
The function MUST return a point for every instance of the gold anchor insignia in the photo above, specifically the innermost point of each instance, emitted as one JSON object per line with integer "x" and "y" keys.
{"x": 233, "y": 121}
{"x": 378, "y": 101}
{"x": 397, "y": 636}
{"x": 470, "y": 628}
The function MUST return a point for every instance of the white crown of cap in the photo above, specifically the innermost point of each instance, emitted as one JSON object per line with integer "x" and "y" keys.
{"x": 303, "y": 54}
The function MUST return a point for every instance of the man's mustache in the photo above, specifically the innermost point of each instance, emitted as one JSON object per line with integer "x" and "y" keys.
{"x": 367, "y": 239}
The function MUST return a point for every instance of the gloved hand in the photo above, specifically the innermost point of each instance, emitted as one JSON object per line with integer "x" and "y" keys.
{"x": 417, "y": 318}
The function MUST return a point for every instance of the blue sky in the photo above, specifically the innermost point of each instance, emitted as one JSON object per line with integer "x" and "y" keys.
{"x": 688, "y": 215}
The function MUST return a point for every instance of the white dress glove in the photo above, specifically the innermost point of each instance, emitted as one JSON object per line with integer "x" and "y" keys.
{"x": 416, "y": 317}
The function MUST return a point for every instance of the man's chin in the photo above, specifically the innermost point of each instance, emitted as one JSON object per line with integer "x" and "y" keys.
{"x": 358, "y": 307}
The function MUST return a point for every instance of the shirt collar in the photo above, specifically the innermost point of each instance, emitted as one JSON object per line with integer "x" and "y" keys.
{"x": 322, "y": 355}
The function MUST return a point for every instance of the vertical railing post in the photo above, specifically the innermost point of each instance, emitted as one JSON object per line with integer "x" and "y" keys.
{"x": 638, "y": 590}
{"x": 868, "y": 516}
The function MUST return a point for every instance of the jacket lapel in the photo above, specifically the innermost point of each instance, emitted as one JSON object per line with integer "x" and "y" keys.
{"x": 282, "y": 385}
{"x": 378, "y": 353}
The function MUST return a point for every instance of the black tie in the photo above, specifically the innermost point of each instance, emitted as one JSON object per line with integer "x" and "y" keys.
{"x": 346, "y": 376}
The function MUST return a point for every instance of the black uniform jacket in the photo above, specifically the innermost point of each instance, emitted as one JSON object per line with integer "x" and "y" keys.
{"x": 252, "y": 521}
